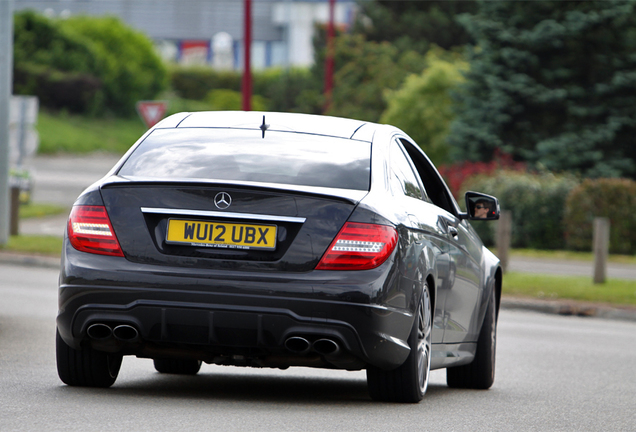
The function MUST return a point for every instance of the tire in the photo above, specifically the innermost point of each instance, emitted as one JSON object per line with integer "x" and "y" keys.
{"x": 85, "y": 367}
{"x": 177, "y": 366}
{"x": 408, "y": 382}
{"x": 480, "y": 374}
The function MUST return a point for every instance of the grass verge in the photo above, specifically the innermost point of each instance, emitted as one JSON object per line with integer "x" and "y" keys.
{"x": 582, "y": 288}
{"x": 34, "y": 244}
{"x": 33, "y": 210}
{"x": 70, "y": 133}
{"x": 569, "y": 255}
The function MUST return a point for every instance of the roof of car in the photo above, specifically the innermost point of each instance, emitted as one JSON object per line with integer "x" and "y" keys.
{"x": 274, "y": 121}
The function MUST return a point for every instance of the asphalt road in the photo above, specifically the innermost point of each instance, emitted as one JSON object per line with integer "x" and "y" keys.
{"x": 553, "y": 373}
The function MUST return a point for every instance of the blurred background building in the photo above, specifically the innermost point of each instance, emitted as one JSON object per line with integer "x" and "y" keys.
{"x": 210, "y": 32}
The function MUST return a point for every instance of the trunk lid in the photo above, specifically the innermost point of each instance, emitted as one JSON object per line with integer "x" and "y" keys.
{"x": 262, "y": 229}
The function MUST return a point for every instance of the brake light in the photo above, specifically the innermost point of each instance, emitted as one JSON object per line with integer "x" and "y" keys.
{"x": 359, "y": 246}
{"x": 90, "y": 230}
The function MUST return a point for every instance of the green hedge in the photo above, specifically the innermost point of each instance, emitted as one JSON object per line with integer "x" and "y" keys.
{"x": 195, "y": 82}
{"x": 85, "y": 64}
{"x": 74, "y": 91}
{"x": 132, "y": 71}
{"x": 537, "y": 203}
{"x": 59, "y": 67}
{"x": 611, "y": 198}
{"x": 292, "y": 90}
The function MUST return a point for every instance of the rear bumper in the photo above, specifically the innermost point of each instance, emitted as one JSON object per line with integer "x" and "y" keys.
{"x": 231, "y": 317}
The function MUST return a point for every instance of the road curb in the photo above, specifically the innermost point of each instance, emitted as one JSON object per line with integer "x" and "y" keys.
{"x": 570, "y": 308}
{"x": 30, "y": 260}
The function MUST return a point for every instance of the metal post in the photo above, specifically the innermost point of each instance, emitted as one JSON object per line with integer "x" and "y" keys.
{"x": 329, "y": 60}
{"x": 6, "y": 80}
{"x": 601, "y": 249}
{"x": 14, "y": 225}
{"x": 247, "y": 68}
{"x": 503, "y": 237}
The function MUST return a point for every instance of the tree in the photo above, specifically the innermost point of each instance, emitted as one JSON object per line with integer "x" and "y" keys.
{"x": 59, "y": 67}
{"x": 414, "y": 25}
{"x": 132, "y": 69}
{"x": 422, "y": 106}
{"x": 363, "y": 71}
{"x": 554, "y": 84}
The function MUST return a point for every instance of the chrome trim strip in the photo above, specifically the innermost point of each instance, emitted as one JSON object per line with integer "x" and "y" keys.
{"x": 222, "y": 214}
{"x": 350, "y": 194}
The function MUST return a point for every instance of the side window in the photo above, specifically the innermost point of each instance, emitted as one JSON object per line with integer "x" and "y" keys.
{"x": 403, "y": 179}
{"x": 435, "y": 187}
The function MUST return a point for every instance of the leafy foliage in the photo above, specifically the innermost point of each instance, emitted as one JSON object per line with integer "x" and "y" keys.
{"x": 537, "y": 203}
{"x": 554, "y": 84}
{"x": 223, "y": 99}
{"x": 363, "y": 70}
{"x": 278, "y": 89}
{"x": 457, "y": 174}
{"x": 422, "y": 106}
{"x": 85, "y": 64}
{"x": 131, "y": 70}
{"x": 195, "y": 82}
{"x": 58, "y": 66}
{"x": 414, "y": 25}
{"x": 611, "y": 198}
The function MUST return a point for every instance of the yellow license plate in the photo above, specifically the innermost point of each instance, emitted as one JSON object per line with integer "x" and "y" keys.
{"x": 221, "y": 234}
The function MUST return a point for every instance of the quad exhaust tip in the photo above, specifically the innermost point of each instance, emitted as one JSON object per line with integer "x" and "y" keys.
{"x": 99, "y": 332}
{"x": 102, "y": 332}
{"x": 326, "y": 347}
{"x": 125, "y": 333}
{"x": 300, "y": 345}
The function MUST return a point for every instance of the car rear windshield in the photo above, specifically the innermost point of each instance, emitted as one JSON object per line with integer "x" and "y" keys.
{"x": 245, "y": 155}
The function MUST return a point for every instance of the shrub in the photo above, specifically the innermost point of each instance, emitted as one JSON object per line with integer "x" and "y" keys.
{"x": 57, "y": 66}
{"x": 363, "y": 70}
{"x": 285, "y": 90}
{"x": 458, "y": 173}
{"x": 288, "y": 90}
{"x": 537, "y": 203}
{"x": 223, "y": 99}
{"x": 611, "y": 198}
{"x": 131, "y": 71}
{"x": 39, "y": 40}
{"x": 195, "y": 82}
{"x": 73, "y": 91}
{"x": 422, "y": 106}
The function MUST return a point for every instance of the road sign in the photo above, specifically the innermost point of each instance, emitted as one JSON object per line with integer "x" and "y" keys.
{"x": 151, "y": 112}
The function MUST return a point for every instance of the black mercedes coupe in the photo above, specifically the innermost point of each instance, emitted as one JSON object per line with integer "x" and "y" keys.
{"x": 274, "y": 240}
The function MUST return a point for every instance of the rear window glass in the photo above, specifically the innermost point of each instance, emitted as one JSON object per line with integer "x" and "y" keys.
{"x": 243, "y": 155}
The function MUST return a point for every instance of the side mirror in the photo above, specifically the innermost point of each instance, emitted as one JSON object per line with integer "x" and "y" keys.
{"x": 480, "y": 206}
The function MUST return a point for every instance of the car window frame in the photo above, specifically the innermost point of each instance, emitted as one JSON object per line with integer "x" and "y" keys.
{"x": 436, "y": 188}
{"x": 400, "y": 148}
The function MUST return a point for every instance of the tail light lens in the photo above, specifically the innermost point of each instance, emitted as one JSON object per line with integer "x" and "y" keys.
{"x": 359, "y": 246}
{"x": 90, "y": 230}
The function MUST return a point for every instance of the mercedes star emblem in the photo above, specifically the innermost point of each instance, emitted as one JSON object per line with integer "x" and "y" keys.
{"x": 222, "y": 200}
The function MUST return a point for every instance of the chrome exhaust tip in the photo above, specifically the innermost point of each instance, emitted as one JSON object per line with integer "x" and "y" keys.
{"x": 99, "y": 331}
{"x": 126, "y": 333}
{"x": 297, "y": 344}
{"x": 326, "y": 347}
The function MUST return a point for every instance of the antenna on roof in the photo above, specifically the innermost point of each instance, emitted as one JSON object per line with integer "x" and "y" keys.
{"x": 264, "y": 127}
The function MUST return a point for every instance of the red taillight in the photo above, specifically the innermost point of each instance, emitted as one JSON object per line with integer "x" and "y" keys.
{"x": 359, "y": 246}
{"x": 89, "y": 230}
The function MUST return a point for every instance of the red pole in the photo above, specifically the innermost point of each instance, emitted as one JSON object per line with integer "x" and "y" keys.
{"x": 330, "y": 55}
{"x": 247, "y": 70}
